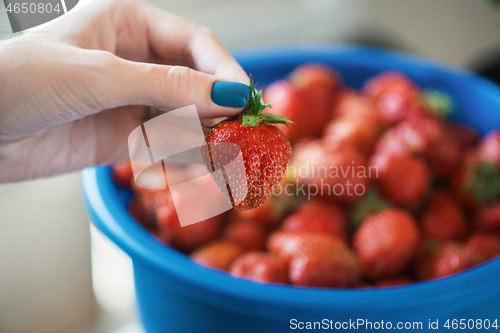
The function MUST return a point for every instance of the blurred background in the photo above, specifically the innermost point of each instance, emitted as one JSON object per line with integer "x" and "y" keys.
{"x": 56, "y": 277}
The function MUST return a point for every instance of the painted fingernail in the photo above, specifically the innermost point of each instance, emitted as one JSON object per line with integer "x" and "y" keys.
{"x": 233, "y": 94}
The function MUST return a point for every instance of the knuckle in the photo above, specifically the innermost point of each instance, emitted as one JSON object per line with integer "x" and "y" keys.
{"x": 205, "y": 32}
{"x": 101, "y": 67}
{"x": 178, "y": 78}
{"x": 107, "y": 59}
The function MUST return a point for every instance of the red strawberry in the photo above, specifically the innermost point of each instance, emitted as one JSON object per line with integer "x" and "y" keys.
{"x": 477, "y": 181}
{"x": 402, "y": 179}
{"x": 318, "y": 82}
{"x": 395, "y": 94}
{"x": 122, "y": 174}
{"x": 416, "y": 137}
{"x": 217, "y": 254}
{"x": 250, "y": 235}
{"x": 339, "y": 173}
{"x": 325, "y": 269}
{"x": 259, "y": 266}
{"x": 318, "y": 217}
{"x": 385, "y": 243}
{"x": 287, "y": 102}
{"x": 305, "y": 98}
{"x": 444, "y": 156}
{"x": 354, "y": 132}
{"x": 316, "y": 260}
{"x": 487, "y": 218}
{"x": 464, "y": 136}
{"x": 459, "y": 184}
{"x": 484, "y": 246}
{"x": 186, "y": 238}
{"x": 448, "y": 259}
{"x": 270, "y": 213}
{"x": 443, "y": 218}
{"x": 352, "y": 104}
{"x": 426, "y": 137}
{"x": 144, "y": 204}
{"x": 264, "y": 148}
{"x": 489, "y": 149}
{"x": 480, "y": 174}
{"x": 371, "y": 203}
{"x": 287, "y": 244}
{"x": 264, "y": 214}
{"x": 142, "y": 213}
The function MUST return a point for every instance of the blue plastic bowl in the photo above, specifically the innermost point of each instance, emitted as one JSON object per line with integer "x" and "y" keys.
{"x": 175, "y": 294}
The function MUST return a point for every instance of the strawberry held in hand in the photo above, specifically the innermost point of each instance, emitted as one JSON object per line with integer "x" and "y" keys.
{"x": 264, "y": 149}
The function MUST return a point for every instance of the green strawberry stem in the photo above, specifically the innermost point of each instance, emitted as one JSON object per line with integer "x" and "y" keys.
{"x": 484, "y": 182}
{"x": 283, "y": 203}
{"x": 439, "y": 102}
{"x": 370, "y": 204}
{"x": 252, "y": 113}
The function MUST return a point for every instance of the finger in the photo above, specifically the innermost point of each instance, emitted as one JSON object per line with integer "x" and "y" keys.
{"x": 217, "y": 60}
{"x": 170, "y": 35}
{"x": 168, "y": 88}
{"x": 109, "y": 141}
{"x": 98, "y": 139}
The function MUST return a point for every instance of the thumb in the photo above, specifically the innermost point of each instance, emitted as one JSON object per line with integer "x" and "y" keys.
{"x": 171, "y": 87}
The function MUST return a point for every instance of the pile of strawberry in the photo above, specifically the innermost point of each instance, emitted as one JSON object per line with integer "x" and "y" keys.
{"x": 426, "y": 206}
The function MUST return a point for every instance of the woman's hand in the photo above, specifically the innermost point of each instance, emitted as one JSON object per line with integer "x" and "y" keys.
{"x": 70, "y": 97}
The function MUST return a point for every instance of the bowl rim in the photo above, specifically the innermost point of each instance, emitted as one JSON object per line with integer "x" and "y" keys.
{"x": 112, "y": 218}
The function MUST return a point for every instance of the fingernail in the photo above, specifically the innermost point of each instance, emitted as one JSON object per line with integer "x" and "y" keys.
{"x": 233, "y": 94}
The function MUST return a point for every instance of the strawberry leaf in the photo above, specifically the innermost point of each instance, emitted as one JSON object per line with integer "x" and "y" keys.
{"x": 262, "y": 107}
{"x": 252, "y": 113}
{"x": 439, "y": 102}
{"x": 258, "y": 98}
{"x": 483, "y": 182}
{"x": 368, "y": 205}
{"x": 251, "y": 85}
{"x": 269, "y": 118}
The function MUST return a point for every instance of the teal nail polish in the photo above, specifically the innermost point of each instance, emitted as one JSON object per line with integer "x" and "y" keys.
{"x": 233, "y": 94}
